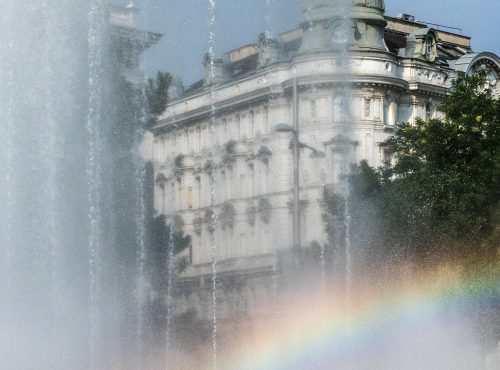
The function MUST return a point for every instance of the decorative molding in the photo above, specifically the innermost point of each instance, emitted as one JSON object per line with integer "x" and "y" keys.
{"x": 264, "y": 209}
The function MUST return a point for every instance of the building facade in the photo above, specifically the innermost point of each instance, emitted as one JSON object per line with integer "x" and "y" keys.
{"x": 224, "y": 170}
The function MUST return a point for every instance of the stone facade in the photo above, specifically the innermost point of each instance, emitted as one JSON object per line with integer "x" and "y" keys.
{"x": 224, "y": 176}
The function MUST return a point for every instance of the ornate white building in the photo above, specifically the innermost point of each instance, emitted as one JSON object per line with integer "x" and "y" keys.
{"x": 224, "y": 174}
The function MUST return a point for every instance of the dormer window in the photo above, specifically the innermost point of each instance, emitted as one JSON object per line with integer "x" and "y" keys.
{"x": 340, "y": 34}
{"x": 430, "y": 48}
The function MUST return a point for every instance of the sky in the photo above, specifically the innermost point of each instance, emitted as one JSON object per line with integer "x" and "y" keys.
{"x": 185, "y": 26}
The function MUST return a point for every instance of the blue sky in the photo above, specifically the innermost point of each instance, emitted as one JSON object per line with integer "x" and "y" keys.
{"x": 184, "y": 24}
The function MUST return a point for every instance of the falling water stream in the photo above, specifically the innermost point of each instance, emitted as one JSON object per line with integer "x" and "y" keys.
{"x": 60, "y": 154}
{"x": 343, "y": 42}
{"x": 170, "y": 282}
{"x": 213, "y": 191}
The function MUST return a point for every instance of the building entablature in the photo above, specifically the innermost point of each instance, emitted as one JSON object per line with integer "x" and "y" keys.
{"x": 408, "y": 75}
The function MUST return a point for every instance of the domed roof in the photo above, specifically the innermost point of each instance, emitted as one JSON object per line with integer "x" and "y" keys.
{"x": 326, "y": 9}
{"x": 379, "y": 4}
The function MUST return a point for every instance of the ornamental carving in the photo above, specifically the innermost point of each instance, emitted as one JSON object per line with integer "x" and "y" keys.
{"x": 341, "y": 144}
{"x": 227, "y": 216}
{"x": 264, "y": 154}
{"x": 230, "y": 153}
{"x": 492, "y": 74}
{"x": 264, "y": 210}
{"x": 178, "y": 161}
{"x": 269, "y": 50}
{"x": 210, "y": 220}
{"x": 251, "y": 213}
{"x": 209, "y": 166}
{"x": 160, "y": 180}
{"x": 178, "y": 223}
{"x": 197, "y": 224}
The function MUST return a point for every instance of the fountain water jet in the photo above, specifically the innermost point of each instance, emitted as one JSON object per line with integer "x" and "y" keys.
{"x": 68, "y": 168}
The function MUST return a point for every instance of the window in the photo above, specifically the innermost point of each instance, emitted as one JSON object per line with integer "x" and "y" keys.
{"x": 190, "y": 141}
{"x": 242, "y": 186}
{"x": 252, "y": 180}
{"x": 178, "y": 194}
{"x": 237, "y": 122}
{"x": 340, "y": 34}
{"x": 190, "y": 197}
{"x": 367, "y": 108}
{"x": 339, "y": 109}
{"x": 198, "y": 189}
{"x": 198, "y": 140}
{"x": 266, "y": 120}
{"x": 428, "y": 112}
{"x": 428, "y": 46}
{"x": 314, "y": 112}
{"x": 225, "y": 137}
{"x": 252, "y": 123}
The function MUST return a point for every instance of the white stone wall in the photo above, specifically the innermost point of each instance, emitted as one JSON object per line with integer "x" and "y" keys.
{"x": 381, "y": 95}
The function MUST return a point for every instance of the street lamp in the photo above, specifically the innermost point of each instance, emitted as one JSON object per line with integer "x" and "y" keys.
{"x": 315, "y": 153}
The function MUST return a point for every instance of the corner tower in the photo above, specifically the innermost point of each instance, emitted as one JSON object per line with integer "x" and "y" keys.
{"x": 332, "y": 25}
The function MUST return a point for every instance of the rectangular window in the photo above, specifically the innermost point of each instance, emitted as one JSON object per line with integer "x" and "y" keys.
{"x": 190, "y": 141}
{"x": 190, "y": 197}
{"x": 367, "y": 108}
{"x": 376, "y": 108}
{"x": 179, "y": 195}
{"x": 252, "y": 180}
{"x": 242, "y": 246}
{"x": 314, "y": 112}
{"x": 242, "y": 186}
{"x": 198, "y": 189}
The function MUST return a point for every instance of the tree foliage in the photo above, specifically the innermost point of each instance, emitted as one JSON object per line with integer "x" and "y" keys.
{"x": 156, "y": 91}
{"x": 452, "y": 165}
{"x": 439, "y": 203}
{"x": 441, "y": 196}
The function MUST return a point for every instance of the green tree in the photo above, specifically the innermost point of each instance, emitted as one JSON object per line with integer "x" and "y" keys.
{"x": 450, "y": 167}
{"x": 163, "y": 246}
{"x": 156, "y": 92}
{"x": 439, "y": 203}
{"x": 441, "y": 195}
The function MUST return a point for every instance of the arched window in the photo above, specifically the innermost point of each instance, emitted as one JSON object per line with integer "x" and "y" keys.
{"x": 429, "y": 49}
{"x": 428, "y": 46}
{"x": 339, "y": 34}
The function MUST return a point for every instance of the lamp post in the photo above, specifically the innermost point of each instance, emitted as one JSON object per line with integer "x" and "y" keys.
{"x": 283, "y": 127}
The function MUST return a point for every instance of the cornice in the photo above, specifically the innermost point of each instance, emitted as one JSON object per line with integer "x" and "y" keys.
{"x": 222, "y": 107}
{"x": 259, "y": 95}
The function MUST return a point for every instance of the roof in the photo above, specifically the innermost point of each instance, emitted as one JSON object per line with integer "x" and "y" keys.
{"x": 243, "y": 61}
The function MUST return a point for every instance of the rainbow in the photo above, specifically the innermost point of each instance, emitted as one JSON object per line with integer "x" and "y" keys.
{"x": 422, "y": 323}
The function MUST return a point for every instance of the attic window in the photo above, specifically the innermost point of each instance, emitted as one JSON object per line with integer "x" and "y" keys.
{"x": 339, "y": 34}
{"x": 428, "y": 46}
